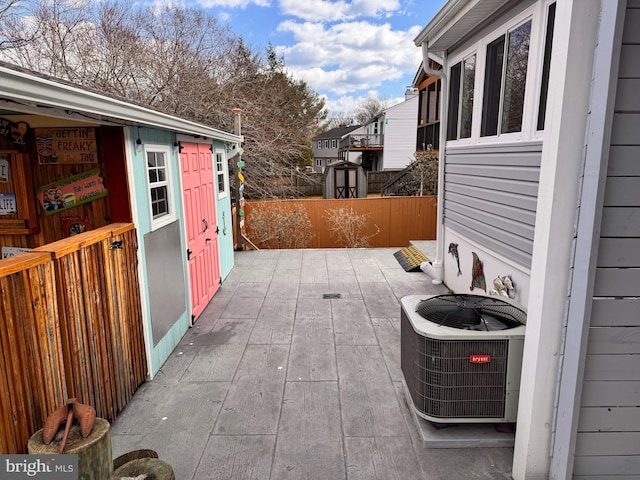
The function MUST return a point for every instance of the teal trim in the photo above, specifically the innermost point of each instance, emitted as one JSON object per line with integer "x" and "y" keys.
{"x": 161, "y": 351}
{"x": 225, "y": 221}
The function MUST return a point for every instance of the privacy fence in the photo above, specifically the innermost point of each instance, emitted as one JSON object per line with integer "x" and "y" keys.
{"x": 71, "y": 327}
{"x": 399, "y": 219}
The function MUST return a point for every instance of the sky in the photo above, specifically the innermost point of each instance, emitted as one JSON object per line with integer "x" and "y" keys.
{"x": 346, "y": 50}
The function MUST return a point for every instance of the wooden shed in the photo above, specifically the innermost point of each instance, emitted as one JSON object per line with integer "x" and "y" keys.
{"x": 345, "y": 180}
{"x": 111, "y": 244}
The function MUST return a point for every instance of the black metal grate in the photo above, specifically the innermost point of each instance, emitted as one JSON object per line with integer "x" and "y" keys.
{"x": 471, "y": 312}
{"x": 442, "y": 381}
{"x": 331, "y": 295}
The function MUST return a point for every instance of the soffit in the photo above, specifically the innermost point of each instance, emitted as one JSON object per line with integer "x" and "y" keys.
{"x": 456, "y": 20}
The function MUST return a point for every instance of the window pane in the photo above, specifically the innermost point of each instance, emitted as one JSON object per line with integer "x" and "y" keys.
{"x": 468, "y": 79}
{"x": 153, "y": 176}
{"x": 454, "y": 99}
{"x": 159, "y": 201}
{"x": 151, "y": 159}
{"x": 431, "y": 89}
{"x": 160, "y": 159}
{"x": 515, "y": 78}
{"x": 492, "y": 87}
{"x": 544, "y": 88}
{"x": 422, "y": 109}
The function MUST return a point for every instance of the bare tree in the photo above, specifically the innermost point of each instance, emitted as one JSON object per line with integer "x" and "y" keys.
{"x": 181, "y": 61}
{"x": 349, "y": 227}
{"x": 369, "y": 109}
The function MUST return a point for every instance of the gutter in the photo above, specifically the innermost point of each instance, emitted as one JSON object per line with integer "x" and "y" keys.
{"x": 437, "y": 272}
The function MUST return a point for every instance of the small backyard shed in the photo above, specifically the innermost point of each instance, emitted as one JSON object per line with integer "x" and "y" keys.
{"x": 345, "y": 180}
{"x": 123, "y": 215}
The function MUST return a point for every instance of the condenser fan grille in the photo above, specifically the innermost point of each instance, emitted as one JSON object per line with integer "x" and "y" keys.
{"x": 471, "y": 312}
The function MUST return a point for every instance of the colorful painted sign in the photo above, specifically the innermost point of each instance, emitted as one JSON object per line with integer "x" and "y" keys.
{"x": 70, "y": 192}
{"x": 8, "y": 203}
{"x": 66, "y": 145}
{"x": 14, "y": 131}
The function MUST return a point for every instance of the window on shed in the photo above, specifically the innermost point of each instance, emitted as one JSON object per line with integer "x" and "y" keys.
{"x": 544, "y": 87}
{"x": 220, "y": 171}
{"x": 461, "y": 84}
{"x": 159, "y": 177}
{"x": 504, "y": 84}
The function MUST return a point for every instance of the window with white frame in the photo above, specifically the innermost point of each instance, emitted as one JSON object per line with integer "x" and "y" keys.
{"x": 326, "y": 144}
{"x": 221, "y": 168}
{"x": 334, "y": 143}
{"x": 462, "y": 80}
{"x": 159, "y": 184}
{"x": 318, "y": 162}
{"x": 319, "y": 144}
{"x": 544, "y": 85}
{"x": 505, "y": 81}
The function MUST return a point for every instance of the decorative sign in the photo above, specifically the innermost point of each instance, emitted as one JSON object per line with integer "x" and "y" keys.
{"x": 14, "y": 131}
{"x": 13, "y": 251}
{"x": 74, "y": 225}
{"x": 4, "y": 170}
{"x": 8, "y": 203}
{"x": 70, "y": 192}
{"x": 480, "y": 358}
{"x": 240, "y": 164}
{"x": 66, "y": 145}
{"x": 241, "y": 177}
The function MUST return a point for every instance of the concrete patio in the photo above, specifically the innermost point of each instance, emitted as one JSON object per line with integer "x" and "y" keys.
{"x": 275, "y": 381}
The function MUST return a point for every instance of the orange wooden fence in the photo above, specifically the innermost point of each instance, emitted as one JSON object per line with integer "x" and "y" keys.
{"x": 400, "y": 219}
{"x": 71, "y": 327}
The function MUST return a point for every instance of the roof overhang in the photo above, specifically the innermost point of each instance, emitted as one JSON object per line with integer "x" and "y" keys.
{"x": 456, "y": 20}
{"x": 24, "y": 92}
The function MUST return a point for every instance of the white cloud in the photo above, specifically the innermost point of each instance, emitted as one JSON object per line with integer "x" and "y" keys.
{"x": 328, "y": 11}
{"x": 349, "y": 57}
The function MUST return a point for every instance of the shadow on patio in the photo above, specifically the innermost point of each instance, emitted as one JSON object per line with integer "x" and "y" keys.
{"x": 275, "y": 381}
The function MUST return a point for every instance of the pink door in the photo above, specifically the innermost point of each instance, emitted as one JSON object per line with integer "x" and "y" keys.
{"x": 200, "y": 218}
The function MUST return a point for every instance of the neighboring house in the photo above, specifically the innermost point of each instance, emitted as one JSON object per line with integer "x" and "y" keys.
{"x": 429, "y": 92}
{"x": 540, "y": 174}
{"x": 345, "y": 180}
{"x": 166, "y": 175}
{"x": 325, "y": 146}
{"x": 386, "y": 142}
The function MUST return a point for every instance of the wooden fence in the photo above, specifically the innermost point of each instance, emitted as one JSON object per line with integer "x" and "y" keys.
{"x": 71, "y": 328}
{"x": 400, "y": 219}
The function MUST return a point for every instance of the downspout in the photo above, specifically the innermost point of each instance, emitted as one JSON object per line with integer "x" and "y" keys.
{"x": 437, "y": 272}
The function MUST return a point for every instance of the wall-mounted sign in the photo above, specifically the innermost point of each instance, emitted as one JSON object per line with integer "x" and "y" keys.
{"x": 13, "y": 251}
{"x": 14, "y": 131}
{"x": 66, "y": 145}
{"x": 4, "y": 170}
{"x": 72, "y": 191}
{"x": 75, "y": 225}
{"x": 8, "y": 203}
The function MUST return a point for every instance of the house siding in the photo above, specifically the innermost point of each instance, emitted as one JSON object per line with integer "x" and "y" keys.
{"x": 400, "y": 134}
{"x": 490, "y": 196}
{"x": 608, "y": 437}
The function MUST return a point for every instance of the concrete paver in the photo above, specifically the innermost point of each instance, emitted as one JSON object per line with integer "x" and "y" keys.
{"x": 274, "y": 381}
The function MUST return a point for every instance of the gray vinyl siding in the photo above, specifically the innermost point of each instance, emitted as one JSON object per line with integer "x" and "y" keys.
{"x": 490, "y": 196}
{"x": 608, "y": 440}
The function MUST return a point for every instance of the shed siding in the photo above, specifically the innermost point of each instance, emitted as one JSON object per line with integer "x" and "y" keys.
{"x": 490, "y": 196}
{"x": 608, "y": 439}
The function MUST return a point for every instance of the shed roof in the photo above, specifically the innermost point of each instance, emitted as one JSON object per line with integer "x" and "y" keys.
{"x": 25, "y": 91}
